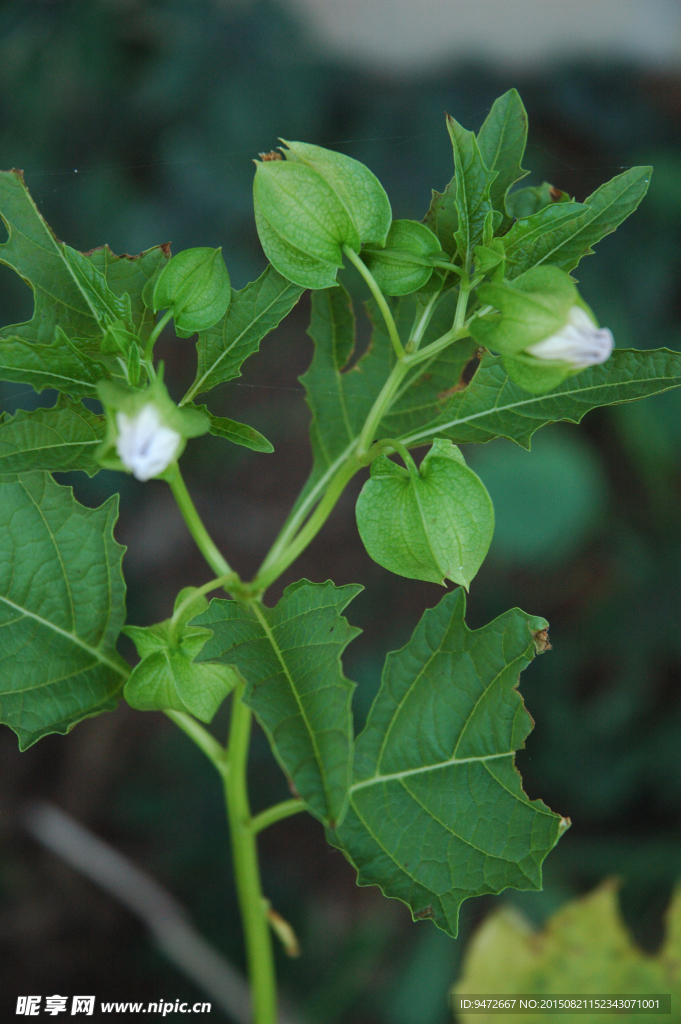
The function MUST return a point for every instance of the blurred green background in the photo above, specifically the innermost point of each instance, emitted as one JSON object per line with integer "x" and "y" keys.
{"x": 135, "y": 122}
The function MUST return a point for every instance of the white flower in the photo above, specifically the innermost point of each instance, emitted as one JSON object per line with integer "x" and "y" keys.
{"x": 579, "y": 343}
{"x": 144, "y": 444}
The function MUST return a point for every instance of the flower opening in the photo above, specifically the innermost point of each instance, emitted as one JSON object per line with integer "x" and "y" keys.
{"x": 579, "y": 343}
{"x": 145, "y": 445}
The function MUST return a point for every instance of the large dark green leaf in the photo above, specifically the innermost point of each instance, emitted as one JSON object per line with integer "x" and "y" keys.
{"x": 61, "y": 608}
{"x": 493, "y": 406}
{"x": 437, "y": 812}
{"x": 289, "y": 656}
{"x": 552, "y": 236}
{"x": 63, "y": 438}
{"x": 254, "y": 312}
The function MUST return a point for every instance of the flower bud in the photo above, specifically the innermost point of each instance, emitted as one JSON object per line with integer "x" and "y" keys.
{"x": 579, "y": 343}
{"x": 145, "y": 445}
{"x": 541, "y": 328}
{"x": 146, "y": 431}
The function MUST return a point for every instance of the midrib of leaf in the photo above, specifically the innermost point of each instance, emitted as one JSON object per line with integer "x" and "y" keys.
{"x": 482, "y": 696}
{"x": 376, "y": 780}
{"x": 588, "y": 220}
{"x": 439, "y": 764}
{"x": 425, "y": 527}
{"x": 310, "y": 731}
{"x": 47, "y": 447}
{"x": 411, "y": 439}
{"x": 197, "y": 385}
{"x": 94, "y": 651}
{"x": 47, "y": 373}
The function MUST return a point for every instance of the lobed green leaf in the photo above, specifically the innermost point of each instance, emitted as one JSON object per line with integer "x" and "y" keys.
{"x": 61, "y": 608}
{"x": 289, "y": 657}
{"x": 493, "y": 406}
{"x": 437, "y": 812}
{"x": 253, "y": 312}
{"x": 554, "y": 236}
{"x": 60, "y": 439}
{"x": 473, "y": 185}
{"x": 502, "y": 140}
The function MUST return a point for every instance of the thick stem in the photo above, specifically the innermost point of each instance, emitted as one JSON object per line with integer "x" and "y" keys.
{"x": 379, "y": 296}
{"x": 247, "y": 874}
{"x": 311, "y": 528}
{"x": 201, "y": 737}
{"x": 382, "y": 403}
{"x": 192, "y": 518}
{"x": 153, "y": 337}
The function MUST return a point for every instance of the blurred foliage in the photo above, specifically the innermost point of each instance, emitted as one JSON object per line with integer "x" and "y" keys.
{"x": 583, "y": 949}
{"x": 136, "y": 122}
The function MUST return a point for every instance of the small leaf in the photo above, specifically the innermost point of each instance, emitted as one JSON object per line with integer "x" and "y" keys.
{"x": 357, "y": 187}
{"x": 403, "y": 266}
{"x": 195, "y": 286}
{"x": 493, "y": 406}
{"x": 167, "y": 676}
{"x": 526, "y": 201}
{"x": 253, "y": 313}
{"x": 60, "y": 439}
{"x": 442, "y": 217}
{"x": 502, "y": 140}
{"x": 108, "y": 308}
{"x": 432, "y": 524}
{"x": 289, "y": 656}
{"x": 565, "y": 243}
{"x": 473, "y": 184}
{"x": 238, "y": 433}
{"x": 437, "y": 813}
{"x": 61, "y": 608}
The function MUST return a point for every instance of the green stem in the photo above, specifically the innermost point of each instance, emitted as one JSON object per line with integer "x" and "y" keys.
{"x": 379, "y": 296}
{"x": 382, "y": 403}
{"x": 462, "y": 304}
{"x": 202, "y": 738}
{"x": 311, "y": 528}
{"x": 153, "y": 337}
{"x": 404, "y": 454}
{"x": 245, "y": 856}
{"x": 221, "y": 581}
{"x": 276, "y": 813}
{"x": 198, "y": 531}
{"x": 298, "y": 517}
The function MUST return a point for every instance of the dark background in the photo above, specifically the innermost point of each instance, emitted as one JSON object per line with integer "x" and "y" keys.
{"x": 135, "y": 123}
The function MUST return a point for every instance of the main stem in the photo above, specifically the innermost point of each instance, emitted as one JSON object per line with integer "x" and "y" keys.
{"x": 247, "y": 874}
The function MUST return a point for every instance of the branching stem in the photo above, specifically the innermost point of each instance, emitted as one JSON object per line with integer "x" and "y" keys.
{"x": 379, "y": 296}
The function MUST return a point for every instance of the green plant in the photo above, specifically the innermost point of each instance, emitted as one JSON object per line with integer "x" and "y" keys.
{"x": 426, "y": 802}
